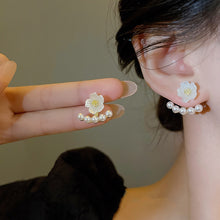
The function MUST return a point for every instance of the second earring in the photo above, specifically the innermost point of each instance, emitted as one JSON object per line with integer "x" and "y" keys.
{"x": 188, "y": 92}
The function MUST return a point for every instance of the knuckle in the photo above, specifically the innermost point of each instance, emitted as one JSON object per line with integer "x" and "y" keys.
{"x": 45, "y": 94}
{"x": 79, "y": 92}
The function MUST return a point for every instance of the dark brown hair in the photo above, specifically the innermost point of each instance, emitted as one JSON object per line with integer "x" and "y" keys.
{"x": 183, "y": 21}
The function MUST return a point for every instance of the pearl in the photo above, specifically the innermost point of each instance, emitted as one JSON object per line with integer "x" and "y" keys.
{"x": 191, "y": 111}
{"x": 102, "y": 117}
{"x": 183, "y": 111}
{"x": 175, "y": 109}
{"x": 80, "y": 117}
{"x": 95, "y": 119}
{"x": 109, "y": 114}
{"x": 87, "y": 119}
{"x": 198, "y": 108}
{"x": 169, "y": 105}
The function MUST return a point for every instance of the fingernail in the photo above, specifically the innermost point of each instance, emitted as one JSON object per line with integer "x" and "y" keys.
{"x": 118, "y": 110}
{"x": 130, "y": 88}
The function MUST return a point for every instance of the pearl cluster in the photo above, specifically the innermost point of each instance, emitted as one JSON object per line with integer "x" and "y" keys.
{"x": 95, "y": 119}
{"x": 183, "y": 110}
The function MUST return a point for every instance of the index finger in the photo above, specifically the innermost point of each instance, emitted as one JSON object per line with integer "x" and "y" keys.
{"x": 51, "y": 96}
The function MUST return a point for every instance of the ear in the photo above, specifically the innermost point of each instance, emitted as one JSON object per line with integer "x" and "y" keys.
{"x": 165, "y": 68}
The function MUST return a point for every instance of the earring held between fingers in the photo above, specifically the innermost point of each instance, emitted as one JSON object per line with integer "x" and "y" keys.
{"x": 95, "y": 104}
{"x": 95, "y": 119}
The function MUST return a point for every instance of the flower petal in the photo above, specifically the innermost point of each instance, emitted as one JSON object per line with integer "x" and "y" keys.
{"x": 100, "y": 108}
{"x": 183, "y": 91}
{"x": 94, "y": 96}
{"x": 92, "y": 110}
{"x": 101, "y": 99}
{"x": 88, "y": 103}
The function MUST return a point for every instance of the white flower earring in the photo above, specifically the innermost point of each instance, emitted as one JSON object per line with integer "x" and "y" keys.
{"x": 188, "y": 92}
{"x": 95, "y": 104}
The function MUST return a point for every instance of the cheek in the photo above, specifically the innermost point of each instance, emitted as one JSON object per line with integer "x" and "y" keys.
{"x": 209, "y": 71}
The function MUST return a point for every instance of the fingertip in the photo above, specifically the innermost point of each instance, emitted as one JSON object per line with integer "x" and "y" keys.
{"x": 7, "y": 71}
{"x": 130, "y": 88}
{"x": 11, "y": 66}
{"x": 12, "y": 61}
{"x": 118, "y": 110}
{"x": 115, "y": 87}
{"x": 3, "y": 58}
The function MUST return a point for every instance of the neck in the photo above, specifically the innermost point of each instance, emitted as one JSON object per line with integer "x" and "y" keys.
{"x": 194, "y": 180}
{"x": 174, "y": 185}
{"x": 202, "y": 149}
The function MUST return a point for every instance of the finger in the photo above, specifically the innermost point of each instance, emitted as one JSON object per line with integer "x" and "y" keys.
{"x": 52, "y": 96}
{"x": 32, "y": 124}
{"x": 3, "y": 58}
{"x": 7, "y": 71}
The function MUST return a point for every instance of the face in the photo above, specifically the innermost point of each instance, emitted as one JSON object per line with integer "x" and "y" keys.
{"x": 205, "y": 62}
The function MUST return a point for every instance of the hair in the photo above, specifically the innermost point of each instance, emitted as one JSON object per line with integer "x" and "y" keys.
{"x": 181, "y": 21}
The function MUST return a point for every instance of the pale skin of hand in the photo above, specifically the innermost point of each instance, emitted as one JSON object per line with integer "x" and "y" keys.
{"x": 31, "y": 111}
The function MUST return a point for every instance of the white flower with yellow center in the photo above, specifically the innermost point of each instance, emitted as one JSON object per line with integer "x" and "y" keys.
{"x": 95, "y": 103}
{"x": 187, "y": 91}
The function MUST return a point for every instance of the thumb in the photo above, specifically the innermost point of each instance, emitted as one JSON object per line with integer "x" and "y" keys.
{"x": 7, "y": 71}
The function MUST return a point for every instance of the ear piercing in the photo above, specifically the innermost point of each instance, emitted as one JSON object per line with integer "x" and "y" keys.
{"x": 188, "y": 92}
{"x": 95, "y": 104}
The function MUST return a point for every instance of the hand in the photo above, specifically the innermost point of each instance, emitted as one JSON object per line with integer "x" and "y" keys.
{"x": 32, "y": 111}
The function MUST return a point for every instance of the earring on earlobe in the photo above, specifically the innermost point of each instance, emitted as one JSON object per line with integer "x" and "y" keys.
{"x": 188, "y": 92}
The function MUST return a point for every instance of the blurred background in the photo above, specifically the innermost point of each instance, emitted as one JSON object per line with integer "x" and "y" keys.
{"x": 55, "y": 41}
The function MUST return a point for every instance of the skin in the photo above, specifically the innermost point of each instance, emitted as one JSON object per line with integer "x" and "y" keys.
{"x": 166, "y": 199}
{"x": 191, "y": 189}
{"x": 32, "y": 111}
